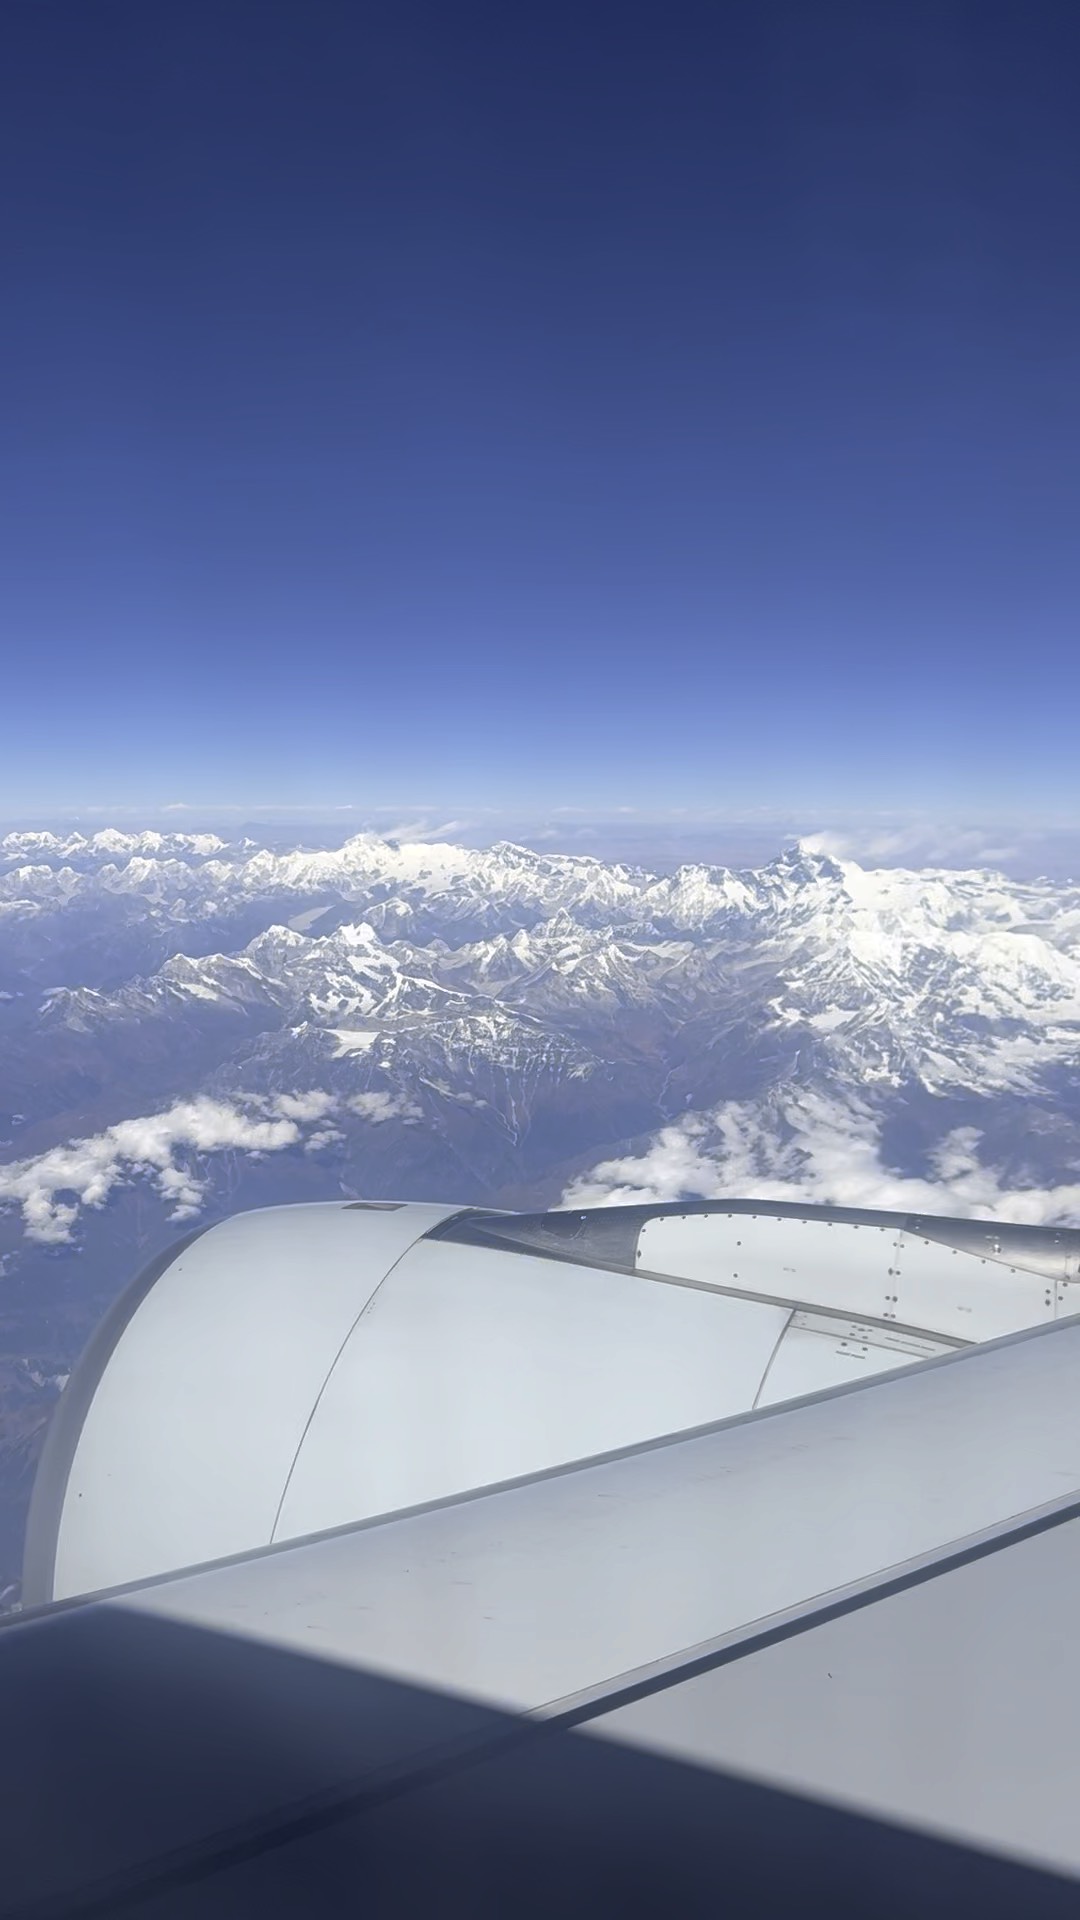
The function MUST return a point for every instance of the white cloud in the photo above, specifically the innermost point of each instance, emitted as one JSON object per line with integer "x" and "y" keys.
{"x": 921, "y": 843}
{"x": 422, "y": 830}
{"x": 52, "y": 1189}
{"x": 304, "y": 1106}
{"x": 324, "y": 1137}
{"x": 377, "y": 1106}
{"x": 819, "y": 1150}
{"x": 672, "y": 1168}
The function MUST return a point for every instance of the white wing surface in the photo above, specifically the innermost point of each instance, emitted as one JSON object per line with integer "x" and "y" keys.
{"x": 815, "y": 1656}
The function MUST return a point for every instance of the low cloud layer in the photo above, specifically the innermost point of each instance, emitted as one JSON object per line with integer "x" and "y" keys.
{"x": 819, "y": 1150}
{"x": 918, "y": 844}
{"x": 1021, "y": 851}
{"x": 167, "y": 1149}
{"x": 377, "y": 1106}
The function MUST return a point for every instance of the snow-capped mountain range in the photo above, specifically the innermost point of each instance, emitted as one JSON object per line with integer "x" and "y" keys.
{"x": 520, "y": 1014}
{"x": 189, "y": 1025}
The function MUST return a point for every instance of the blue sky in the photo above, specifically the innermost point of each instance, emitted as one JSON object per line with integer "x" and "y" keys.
{"x": 480, "y": 406}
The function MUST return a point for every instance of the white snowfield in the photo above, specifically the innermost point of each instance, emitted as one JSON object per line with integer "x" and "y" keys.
{"x": 875, "y": 1038}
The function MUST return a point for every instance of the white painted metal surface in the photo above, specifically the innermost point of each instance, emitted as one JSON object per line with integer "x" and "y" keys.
{"x": 377, "y": 1368}
{"x": 820, "y": 1350}
{"x": 471, "y": 1366}
{"x": 964, "y": 1295}
{"x": 950, "y": 1706}
{"x": 859, "y": 1269}
{"x": 303, "y": 1368}
{"x": 807, "y": 1260}
{"x": 556, "y": 1588}
{"x": 187, "y": 1444}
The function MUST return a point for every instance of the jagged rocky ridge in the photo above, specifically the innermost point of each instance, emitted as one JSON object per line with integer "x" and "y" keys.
{"x": 188, "y": 1025}
{"x": 512, "y": 1013}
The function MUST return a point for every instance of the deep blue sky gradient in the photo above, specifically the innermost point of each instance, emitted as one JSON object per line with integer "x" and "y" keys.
{"x": 518, "y": 405}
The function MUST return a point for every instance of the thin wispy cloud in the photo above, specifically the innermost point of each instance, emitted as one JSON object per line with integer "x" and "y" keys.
{"x": 918, "y": 844}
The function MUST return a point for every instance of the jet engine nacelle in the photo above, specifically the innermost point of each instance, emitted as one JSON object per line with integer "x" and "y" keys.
{"x": 298, "y": 1369}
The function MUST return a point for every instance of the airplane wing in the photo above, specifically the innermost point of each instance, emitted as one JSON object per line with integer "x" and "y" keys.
{"x": 811, "y": 1654}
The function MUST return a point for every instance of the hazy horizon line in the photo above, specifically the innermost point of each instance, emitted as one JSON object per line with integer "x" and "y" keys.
{"x": 1021, "y": 849}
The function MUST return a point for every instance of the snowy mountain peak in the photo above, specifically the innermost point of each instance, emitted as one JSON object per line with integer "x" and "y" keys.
{"x": 359, "y": 933}
{"x": 472, "y": 995}
{"x": 802, "y": 865}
